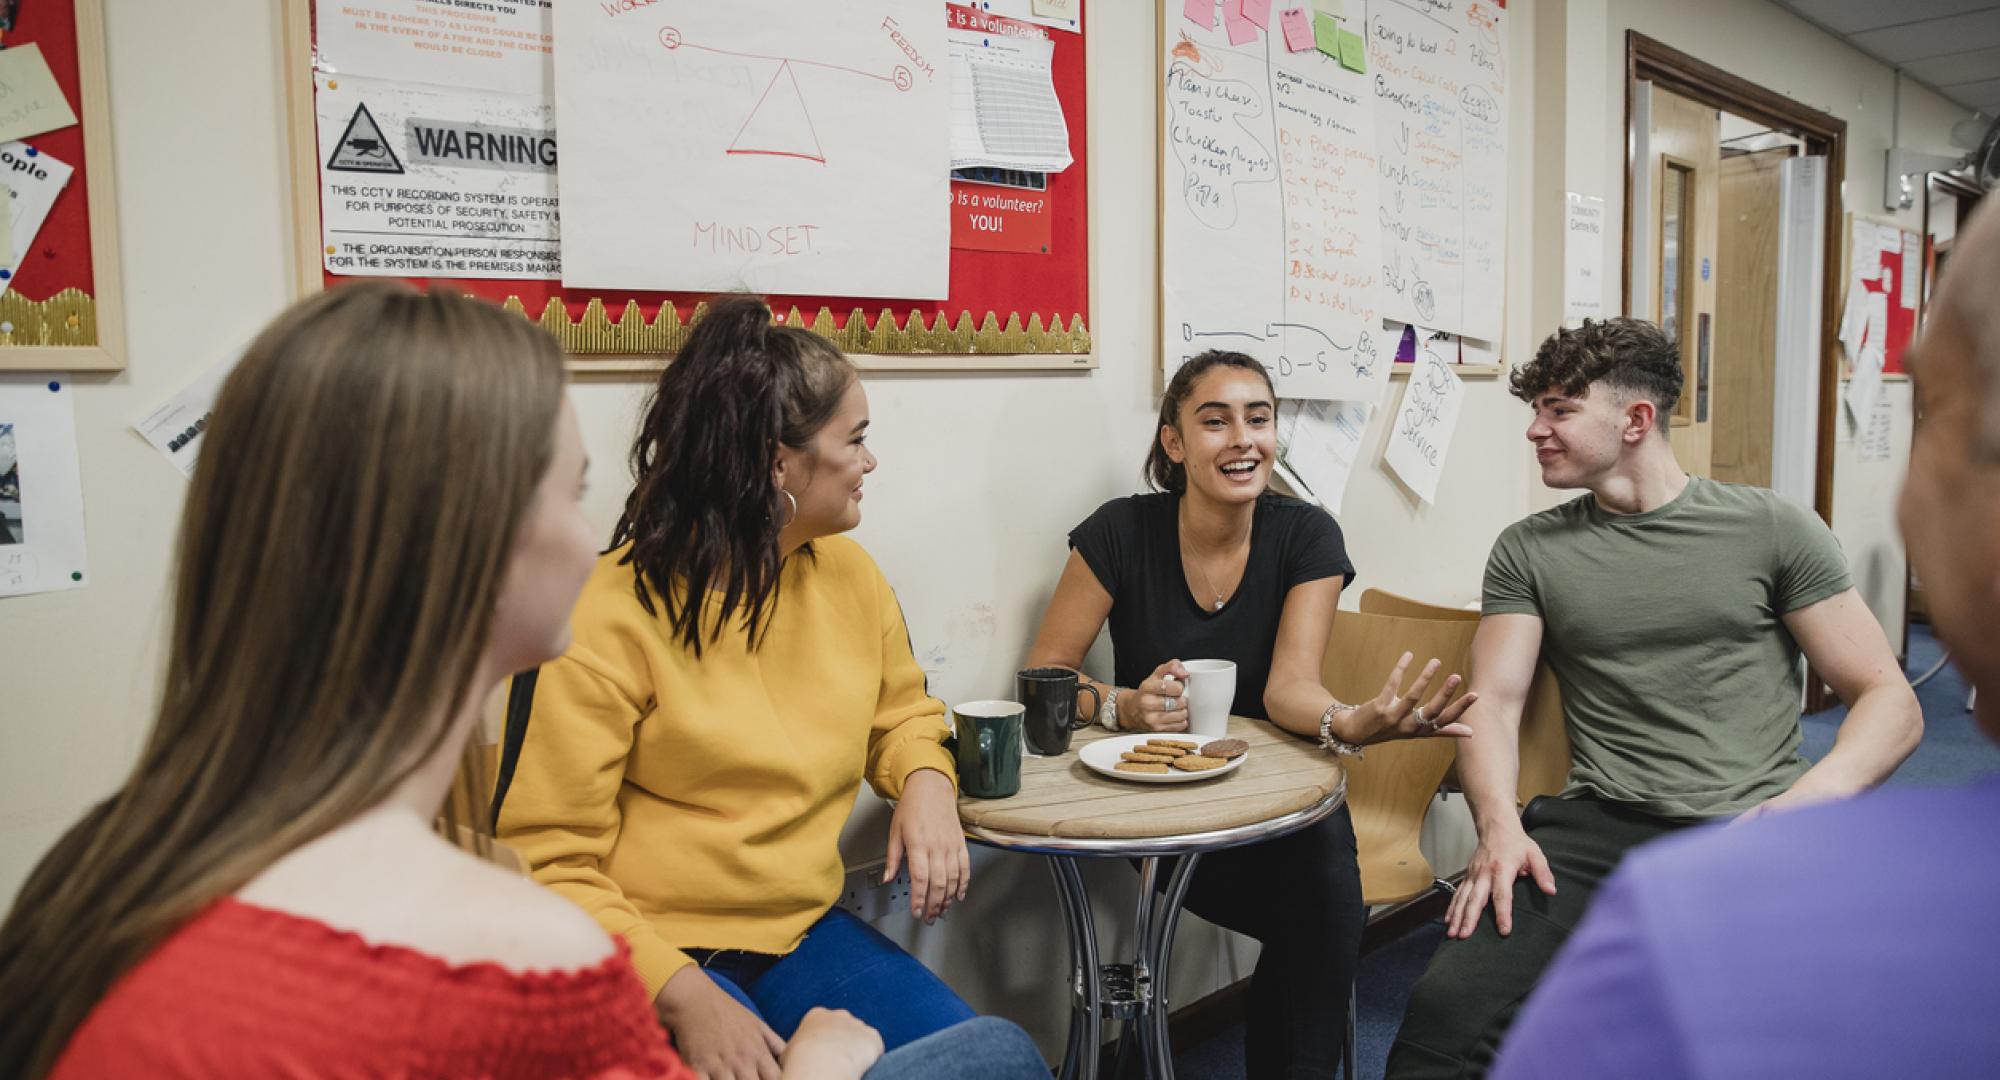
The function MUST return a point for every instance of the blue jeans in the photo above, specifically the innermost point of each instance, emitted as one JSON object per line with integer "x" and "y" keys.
{"x": 842, "y": 963}
{"x": 986, "y": 1048}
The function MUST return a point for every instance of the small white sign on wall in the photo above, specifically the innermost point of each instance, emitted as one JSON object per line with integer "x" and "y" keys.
{"x": 1424, "y": 424}
{"x": 41, "y": 487}
{"x": 1583, "y": 259}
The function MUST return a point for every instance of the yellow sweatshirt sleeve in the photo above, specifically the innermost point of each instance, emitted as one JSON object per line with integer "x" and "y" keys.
{"x": 562, "y": 812}
{"x": 909, "y": 729}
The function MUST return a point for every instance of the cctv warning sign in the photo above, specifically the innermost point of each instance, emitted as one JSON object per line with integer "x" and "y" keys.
{"x": 435, "y": 182}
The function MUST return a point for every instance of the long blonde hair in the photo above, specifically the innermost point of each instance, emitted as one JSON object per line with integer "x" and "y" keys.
{"x": 343, "y": 545}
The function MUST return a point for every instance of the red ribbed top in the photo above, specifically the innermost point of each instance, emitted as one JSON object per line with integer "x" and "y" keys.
{"x": 247, "y": 991}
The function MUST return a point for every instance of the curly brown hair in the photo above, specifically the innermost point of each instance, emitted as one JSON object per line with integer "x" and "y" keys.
{"x": 1632, "y": 356}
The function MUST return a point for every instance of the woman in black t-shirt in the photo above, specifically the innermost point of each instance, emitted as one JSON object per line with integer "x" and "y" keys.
{"x": 1212, "y": 565}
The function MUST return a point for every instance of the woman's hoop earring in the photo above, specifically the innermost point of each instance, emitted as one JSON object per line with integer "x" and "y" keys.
{"x": 795, "y": 508}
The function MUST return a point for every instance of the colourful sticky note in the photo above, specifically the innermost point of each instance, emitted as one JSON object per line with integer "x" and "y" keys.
{"x": 1353, "y": 55}
{"x": 1326, "y": 34}
{"x": 1241, "y": 31}
{"x": 1056, "y": 9}
{"x": 1298, "y": 29}
{"x": 1259, "y": 12}
{"x": 1200, "y": 12}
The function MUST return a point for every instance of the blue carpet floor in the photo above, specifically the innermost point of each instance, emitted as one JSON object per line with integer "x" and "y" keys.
{"x": 1952, "y": 753}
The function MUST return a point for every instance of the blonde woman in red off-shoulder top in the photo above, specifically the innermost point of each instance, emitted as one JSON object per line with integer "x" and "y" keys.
{"x": 384, "y": 525}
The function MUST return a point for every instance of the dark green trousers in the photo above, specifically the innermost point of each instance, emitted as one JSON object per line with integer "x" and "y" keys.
{"x": 1468, "y": 996}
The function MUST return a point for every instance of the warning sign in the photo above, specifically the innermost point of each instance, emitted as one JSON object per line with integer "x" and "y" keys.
{"x": 362, "y": 147}
{"x": 433, "y": 182}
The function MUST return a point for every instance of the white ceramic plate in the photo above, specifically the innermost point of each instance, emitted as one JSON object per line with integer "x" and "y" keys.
{"x": 1102, "y": 756}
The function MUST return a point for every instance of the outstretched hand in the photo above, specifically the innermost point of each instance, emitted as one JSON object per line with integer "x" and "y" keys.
{"x": 1395, "y": 714}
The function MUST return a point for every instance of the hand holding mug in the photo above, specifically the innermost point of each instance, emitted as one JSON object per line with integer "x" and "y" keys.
{"x": 1160, "y": 702}
{"x": 1396, "y": 714}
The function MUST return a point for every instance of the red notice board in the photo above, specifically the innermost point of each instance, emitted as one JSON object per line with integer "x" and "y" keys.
{"x": 1005, "y": 309}
{"x": 62, "y": 308}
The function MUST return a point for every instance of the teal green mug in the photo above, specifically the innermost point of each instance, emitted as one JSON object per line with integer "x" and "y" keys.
{"x": 989, "y": 748}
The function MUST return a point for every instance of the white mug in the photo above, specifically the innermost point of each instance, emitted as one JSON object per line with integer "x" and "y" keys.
{"x": 1211, "y": 689}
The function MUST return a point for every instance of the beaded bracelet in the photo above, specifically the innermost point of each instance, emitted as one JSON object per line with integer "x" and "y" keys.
{"x": 1332, "y": 743}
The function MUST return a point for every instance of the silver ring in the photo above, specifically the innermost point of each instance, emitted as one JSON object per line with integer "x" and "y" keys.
{"x": 1424, "y": 722}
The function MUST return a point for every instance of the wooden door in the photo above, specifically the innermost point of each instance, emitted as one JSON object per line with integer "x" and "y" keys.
{"x": 1684, "y": 144}
{"x": 1746, "y": 315}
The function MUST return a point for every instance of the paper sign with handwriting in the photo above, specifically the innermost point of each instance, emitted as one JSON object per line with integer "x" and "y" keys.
{"x": 1269, "y": 243}
{"x": 1424, "y": 423}
{"x": 30, "y": 101}
{"x": 1440, "y": 81}
{"x": 759, "y": 144}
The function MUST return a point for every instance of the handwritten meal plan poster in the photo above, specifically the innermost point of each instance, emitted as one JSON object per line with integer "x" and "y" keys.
{"x": 760, "y": 144}
{"x": 1439, "y": 74}
{"x": 1268, "y": 234}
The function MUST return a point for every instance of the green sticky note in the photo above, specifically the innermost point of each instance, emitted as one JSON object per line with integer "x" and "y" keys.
{"x": 1353, "y": 55}
{"x": 1326, "y": 34}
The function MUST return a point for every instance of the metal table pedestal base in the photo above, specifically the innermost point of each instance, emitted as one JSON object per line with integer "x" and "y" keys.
{"x": 1134, "y": 993}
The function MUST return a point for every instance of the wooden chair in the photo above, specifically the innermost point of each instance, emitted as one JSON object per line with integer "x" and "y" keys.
{"x": 1390, "y": 789}
{"x": 1544, "y": 740}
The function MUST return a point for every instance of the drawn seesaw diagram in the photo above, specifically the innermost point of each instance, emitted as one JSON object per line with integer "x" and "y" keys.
{"x": 780, "y": 124}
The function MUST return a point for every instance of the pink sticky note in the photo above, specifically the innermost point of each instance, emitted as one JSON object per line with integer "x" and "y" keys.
{"x": 1200, "y": 12}
{"x": 1232, "y": 11}
{"x": 1241, "y": 31}
{"x": 1259, "y": 12}
{"x": 1298, "y": 29}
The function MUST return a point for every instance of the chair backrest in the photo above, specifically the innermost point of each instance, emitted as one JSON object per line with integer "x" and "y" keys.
{"x": 1384, "y": 602}
{"x": 1544, "y": 746}
{"x": 1544, "y": 739}
{"x": 1389, "y": 791}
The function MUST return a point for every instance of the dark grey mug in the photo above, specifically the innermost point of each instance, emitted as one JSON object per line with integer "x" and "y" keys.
{"x": 1049, "y": 693}
{"x": 989, "y": 748}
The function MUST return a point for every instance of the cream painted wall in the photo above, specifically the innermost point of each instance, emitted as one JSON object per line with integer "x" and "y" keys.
{"x": 981, "y": 476}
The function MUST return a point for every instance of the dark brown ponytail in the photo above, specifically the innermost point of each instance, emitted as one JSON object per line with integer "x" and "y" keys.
{"x": 704, "y": 514}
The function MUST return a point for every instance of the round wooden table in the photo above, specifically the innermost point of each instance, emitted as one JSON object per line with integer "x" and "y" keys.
{"x": 1066, "y": 812}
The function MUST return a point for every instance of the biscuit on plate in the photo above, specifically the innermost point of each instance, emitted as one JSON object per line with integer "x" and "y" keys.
{"x": 1153, "y": 759}
{"x": 1198, "y": 763}
{"x": 1143, "y": 767}
{"x": 1182, "y": 743}
{"x": 1226, "y": 749}
{"x": 1162, "y": 748}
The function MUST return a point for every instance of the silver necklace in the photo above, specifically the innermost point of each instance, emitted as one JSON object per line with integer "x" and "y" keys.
{"x": 1205, "y": 582}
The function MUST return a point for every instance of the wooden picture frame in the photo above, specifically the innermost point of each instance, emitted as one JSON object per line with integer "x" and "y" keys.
{"x": 102, "y": 307}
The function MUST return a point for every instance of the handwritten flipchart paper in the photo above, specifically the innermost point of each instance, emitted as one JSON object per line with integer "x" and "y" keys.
{"x": 1440, "y": 87}
{"x": 760, "y": 145}
{"x": 1268, "y": 245}
{"x": 1424, "y": 424}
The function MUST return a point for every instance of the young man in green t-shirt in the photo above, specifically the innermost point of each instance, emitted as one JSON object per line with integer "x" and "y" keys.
{"x": 1673, "y": 610}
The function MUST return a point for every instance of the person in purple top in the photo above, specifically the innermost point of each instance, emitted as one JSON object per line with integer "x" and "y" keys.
{"x": 1849, "y": 939}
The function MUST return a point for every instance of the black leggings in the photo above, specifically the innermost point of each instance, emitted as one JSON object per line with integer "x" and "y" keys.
{"x": 1300, "y": 895}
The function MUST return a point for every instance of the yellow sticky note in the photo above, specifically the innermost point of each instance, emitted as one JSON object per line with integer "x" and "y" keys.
{"x": 1056, "y": 9}
{"x": 30, "y": 101}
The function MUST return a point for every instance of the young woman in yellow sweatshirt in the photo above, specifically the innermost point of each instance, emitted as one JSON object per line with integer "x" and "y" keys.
{"x": 738, "y": 668}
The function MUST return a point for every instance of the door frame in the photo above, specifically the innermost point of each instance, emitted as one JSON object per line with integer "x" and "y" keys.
{"x": 1825, "y": 135}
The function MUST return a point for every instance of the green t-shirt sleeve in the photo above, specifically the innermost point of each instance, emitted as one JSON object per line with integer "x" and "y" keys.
{"x": 1509, "y": 588}
{"x": 1811, "y": 566}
